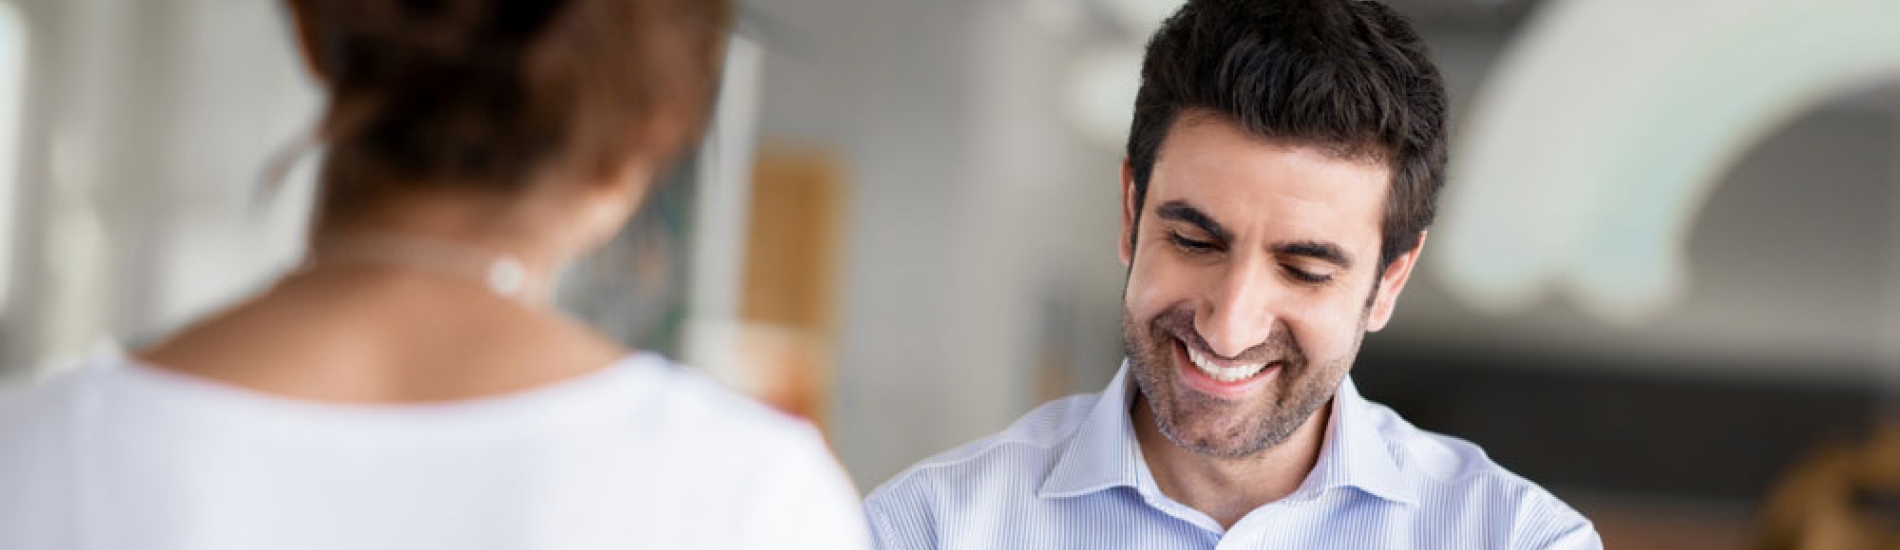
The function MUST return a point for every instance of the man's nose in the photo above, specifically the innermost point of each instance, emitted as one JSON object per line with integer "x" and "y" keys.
{"x": 1237, "y": 312}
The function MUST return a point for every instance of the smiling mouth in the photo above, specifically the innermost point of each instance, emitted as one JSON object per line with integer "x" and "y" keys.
{"x": 1211, "y": 367}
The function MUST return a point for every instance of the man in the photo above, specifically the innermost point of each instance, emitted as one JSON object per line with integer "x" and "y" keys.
{"x": 1282, "y": 168}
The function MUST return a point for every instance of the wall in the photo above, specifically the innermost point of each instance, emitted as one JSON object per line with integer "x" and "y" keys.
{"x": 148, "y": 126}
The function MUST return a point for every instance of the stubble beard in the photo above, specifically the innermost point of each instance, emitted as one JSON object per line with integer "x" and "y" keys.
{"x": 1221, "y": 428}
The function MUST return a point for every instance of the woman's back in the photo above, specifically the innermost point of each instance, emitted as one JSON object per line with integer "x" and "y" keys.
{"x": 642, "y": 454}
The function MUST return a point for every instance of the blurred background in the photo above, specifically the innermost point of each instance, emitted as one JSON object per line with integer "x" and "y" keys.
{"x": 1665, "y": 282}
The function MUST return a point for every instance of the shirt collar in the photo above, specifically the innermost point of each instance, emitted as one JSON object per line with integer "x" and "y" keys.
{"x": 1103, "y": 454}
{"x": 1356, "y": 454}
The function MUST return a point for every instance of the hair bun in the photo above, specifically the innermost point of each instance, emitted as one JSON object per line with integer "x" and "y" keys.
{"x": 379, "y": 39}
{"x": 494, "y": 95}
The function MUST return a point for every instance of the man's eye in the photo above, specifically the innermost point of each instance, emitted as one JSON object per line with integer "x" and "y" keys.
{"x": 1307, "y": 277}
{"x": 1191, "y": 245}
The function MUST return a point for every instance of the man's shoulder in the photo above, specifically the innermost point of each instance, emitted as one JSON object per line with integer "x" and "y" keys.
{"x": 1030, "y": 445}
{"x": 1436, "y": 459}
{"x": 1458, "y": 475}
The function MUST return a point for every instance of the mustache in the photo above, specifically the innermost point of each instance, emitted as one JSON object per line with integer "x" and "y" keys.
{"x": 1278, "y": 346}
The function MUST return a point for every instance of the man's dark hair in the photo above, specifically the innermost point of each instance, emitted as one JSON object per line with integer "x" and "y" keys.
{"x": 1347, "y": 75}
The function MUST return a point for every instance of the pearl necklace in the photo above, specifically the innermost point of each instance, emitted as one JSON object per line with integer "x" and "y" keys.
{"x": 503, "y": 274}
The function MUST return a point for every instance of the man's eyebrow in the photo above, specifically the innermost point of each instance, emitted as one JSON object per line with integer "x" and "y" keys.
{"x": 1183, "y": 212}
{"x": 1322, "y": 251}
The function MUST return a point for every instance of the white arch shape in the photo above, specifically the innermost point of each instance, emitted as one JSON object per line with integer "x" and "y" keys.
{"x": 1605, "y": 128}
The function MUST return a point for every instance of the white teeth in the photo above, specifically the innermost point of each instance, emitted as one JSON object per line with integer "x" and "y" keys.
{"x": 1224, "y": 374}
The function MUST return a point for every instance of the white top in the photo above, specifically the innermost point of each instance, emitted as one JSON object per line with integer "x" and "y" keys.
{"x": 641, "y": 455}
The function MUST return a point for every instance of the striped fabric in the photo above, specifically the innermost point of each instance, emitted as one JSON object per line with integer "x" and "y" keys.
{"x": 1070, "y": 475}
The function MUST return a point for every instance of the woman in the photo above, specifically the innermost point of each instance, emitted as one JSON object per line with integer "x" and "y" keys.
{"x": 411, "y": 387}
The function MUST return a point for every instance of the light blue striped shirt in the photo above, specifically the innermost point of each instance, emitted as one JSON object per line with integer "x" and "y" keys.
{"x": 1070, "y": 475}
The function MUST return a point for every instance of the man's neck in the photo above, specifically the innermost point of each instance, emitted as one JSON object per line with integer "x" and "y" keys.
{"x": 1227, "y": 489}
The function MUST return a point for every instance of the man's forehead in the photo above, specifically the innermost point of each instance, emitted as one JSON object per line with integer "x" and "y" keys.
{"x": 1238, "y": 179}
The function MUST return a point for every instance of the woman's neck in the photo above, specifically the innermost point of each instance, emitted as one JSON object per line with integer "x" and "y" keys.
{"x": 384, "y": 334}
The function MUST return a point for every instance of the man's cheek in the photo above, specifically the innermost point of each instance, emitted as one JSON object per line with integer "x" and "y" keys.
{"x": 1148, "y": 290}
{"x": 1165, "y": 282}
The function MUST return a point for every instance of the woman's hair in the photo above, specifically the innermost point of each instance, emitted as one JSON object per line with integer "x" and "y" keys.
{"x": 493, "y": 95}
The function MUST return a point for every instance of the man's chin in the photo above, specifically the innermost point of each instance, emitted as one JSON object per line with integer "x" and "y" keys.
{"x": 1231, "y": 429}
{"x": 1207, "y": 425}
{"x": 1214, "y": 442}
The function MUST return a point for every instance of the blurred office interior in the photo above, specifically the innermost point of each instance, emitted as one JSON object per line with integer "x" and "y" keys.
{"x": 1665, "y": 278}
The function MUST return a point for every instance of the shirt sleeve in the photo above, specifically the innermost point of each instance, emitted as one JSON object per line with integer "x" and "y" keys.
{"x": 807, "y": 502}
{"x": 1581, "y": 537}
{"x": 900, "y": 517}
{"x": 884, "y": 536}
{"x": 1549, "y": 524}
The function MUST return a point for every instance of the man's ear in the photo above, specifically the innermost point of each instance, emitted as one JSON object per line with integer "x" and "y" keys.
{"x": 1391, "y": 284}
{"x": 1127, "y": 243}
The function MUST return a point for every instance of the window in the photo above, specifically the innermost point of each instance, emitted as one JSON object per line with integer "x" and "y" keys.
{"x": 13, "y": 44}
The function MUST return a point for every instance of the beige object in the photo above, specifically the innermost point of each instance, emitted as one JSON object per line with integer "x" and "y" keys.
{"x": 790, "y": 291}
{"x": 1845, "y": 497}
